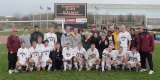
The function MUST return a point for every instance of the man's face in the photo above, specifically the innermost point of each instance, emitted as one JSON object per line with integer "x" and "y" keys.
{"x": 51, "y": 30}
{"x": 34, "y": 44}
{"x": 128, "y": 29}
{"x": 93, "y": 28}
{"x": 145, "y": 30}
{"x": 111, "y": 28}
{"x": 140, "y": 29}
{"x": 92, "y": 47}
{"x": 68, "y": 46}
{"x": 67, "y": 29}
{"x": 109, "y": 33}
{"x": 110, "y": 48}
{"x": 14, "y": 33}
{"x": 123, "y": 28}
{"x": 59, "y": 29}
{"x": 132, "y": 31}
{"x": 79, "y": 45}
{"x": 75, "y": 30}
{"x": 133, "y": 51}
{"x": 36, "y": 29}
{"x": 46, "y": 30}
{"x": 57, "y": 46}
{"x": 120, "y": 50}
{"x": 103, "y": 37}
{"x": 23, "y": 45}
{"x": 46, "y": 43}
{"x": 26, "y": 31}
{"x": 39, "y": 40}
{"x": 95, "y": 35}
{"x": 117, "y": 31}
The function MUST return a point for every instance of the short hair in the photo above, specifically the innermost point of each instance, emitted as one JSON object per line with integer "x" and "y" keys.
{"x": 46, "y": 27}
{"x": 133, "y": 48}
{"x": 39, "y": 37}
{"x": 68, "y": 44}
{"x": 120, "y": 47}
{"x": 36, "y": 26}
{"x": 59, "y": 27}
{"x": 79, "y": 42}
{"x": 75, "y": 28}
{"x": 92, "y": 44}
{"x": 34, "y": 41}
{"x": 109, "y": 32}
{"x": 132, "y": 29}
{"x": 102, "y": 34}
{"x": 80, "y": 30}
{"x": 25, "y": 28}
{"x": 57, "y": 43}
{"x": 23, "y": 42}
{"x": 51, "y": 27}
{"x": 117, "y": 28}
{"x": 67, "y": 26}
{"x": 46, "y": 41}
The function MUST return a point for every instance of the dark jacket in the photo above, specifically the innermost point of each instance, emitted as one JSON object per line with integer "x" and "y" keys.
{"x": 35, "y": 35}
{"x": 107, "y": 38}
{"x": 59, "y": 37}
{"x": 56, "y": 54}
{"x": 95, "y": 41}
{"x": 86, "y": 44}
{"x": 146, "y": 42}
{"x": 102, "y": 45}
{"x": 135, "y": 41}
{"x": 13, "y": 43}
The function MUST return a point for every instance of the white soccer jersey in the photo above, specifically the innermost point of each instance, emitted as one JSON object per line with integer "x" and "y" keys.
{"x": 110, "y": 39}
{"x": 123, "y": 38}
{"x": 79, "y": 53}
{"x": 91, "y": 55}
{"x": 133, "y": 57}
{"x": 45, "y": 52}
{"x": 34, "y": 53}
{"x": 118, "y": 55}
{"x": 23, "y": 54}
{"x": 40, "y": 46}
{"x": 108, "y": 54}
{"x": 52, "y": 38}
{"x": 68, "y": 54}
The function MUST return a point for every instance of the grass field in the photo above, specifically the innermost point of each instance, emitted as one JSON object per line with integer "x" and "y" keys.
{"x": 76, "y": 75}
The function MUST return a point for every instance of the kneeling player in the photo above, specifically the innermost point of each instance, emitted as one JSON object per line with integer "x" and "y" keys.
{"x": 45, "y": 56}
{"x": 120, "y": 58}
{"x": 23, "y": 55}
{"x": 35, "y": 55}
{"x": 92, "y": 58}
{"x": 107, "y": 57}
{"x": 79, "y": 53}
{"x": 134, "y": 59}
{"x": 67, "y": 53}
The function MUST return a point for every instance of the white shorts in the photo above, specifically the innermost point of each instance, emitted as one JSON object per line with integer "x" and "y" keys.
{"x": 131, "y": 62}
{"x": 119, "y": 62}
{"x": 36, "y": 62}
{"x": 80, "y": 62}
{"x": 44, "y": 62}
{"x": 90, "y": 63}
{"x": 108, "y": 64}
{"x": 125, "y": 49}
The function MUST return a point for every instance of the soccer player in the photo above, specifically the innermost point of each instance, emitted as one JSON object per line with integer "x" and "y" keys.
{"x": 23, "y": 55}
{"x": 92, "y": 57}
{"x": 107, "y": 57}
{"x": 45, "y": 52}
{"x": 39, "y": 44}
{"x": 67, "y": 57}
{"x": 79, "y": 53}
{"x": 124, "y": 39}
{"x": 134, "y": 59}
{"x": 120, "y": 58}
{"x": 51, "y": 37}
{"x": 35, "y": 55}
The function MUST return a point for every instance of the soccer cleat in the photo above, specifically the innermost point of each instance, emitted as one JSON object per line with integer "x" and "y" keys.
{"x": 15, "y": 70}
{"x": 151, "y": 72}
{"x": 143, "y": 70}
{"x": 136, "y": 68}
{"x": 76, "y": 69}
{"x": 10, "y": 71}
{"x": 54, "y": 70}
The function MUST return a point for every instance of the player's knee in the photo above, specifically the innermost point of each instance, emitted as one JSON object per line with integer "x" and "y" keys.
{"x": 30, "y": 61}
{"x": 17, "y": 64}
{"x": 24, "y": 68}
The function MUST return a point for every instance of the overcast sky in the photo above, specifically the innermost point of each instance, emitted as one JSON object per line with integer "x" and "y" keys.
{"x": 9, "y": 7}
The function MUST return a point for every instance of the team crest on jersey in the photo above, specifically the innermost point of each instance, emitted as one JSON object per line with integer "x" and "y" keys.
{"x": 67, "y": 54}
{"x": 123, "y": 38}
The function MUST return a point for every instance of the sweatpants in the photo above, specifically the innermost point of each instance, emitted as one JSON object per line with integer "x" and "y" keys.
{"x": 56, "y": 63}
{"x": 12, "y": 59}
{"x": 147, "y": 55}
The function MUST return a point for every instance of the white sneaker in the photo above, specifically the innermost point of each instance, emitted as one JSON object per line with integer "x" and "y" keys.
{"x": 10, "y": 71}
{"x": 151, "y": 72}
{"x": 15, "y": 70}
{"x": 143, "y": 70}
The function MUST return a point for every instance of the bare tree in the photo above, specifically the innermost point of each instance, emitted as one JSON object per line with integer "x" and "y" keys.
{"x": 90, "y": 18}
{"x": 17, "y": 15}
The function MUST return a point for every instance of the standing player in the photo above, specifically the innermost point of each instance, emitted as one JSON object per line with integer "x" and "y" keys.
{"x": 108, "y": 55}
{"x": 67, "y": 57}
{"x": 120, "y": 58}
{"x": 134, "y": 59}
{"x": 39, "y": 44}
{"x": 23, "y": 55}
{"x": 35, "y": 54}
{"x": 45, "y": 52}
{"x": 92, "y": 57}
{"x": 51, "y": 37}
{"x": 79, "y": 53}
{"x": 123, "y": 39}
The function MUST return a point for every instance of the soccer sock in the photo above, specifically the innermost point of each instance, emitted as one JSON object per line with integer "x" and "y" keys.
{"x": 49, "y": 67}
{"x": 97, "y": 66}
{"x": 31, "y": 68}
{"x": 123, "y": 65}
{"x": 102, "y": 65}
{"x": 75, "y": 64}
{"x": 129, "y": 67}
{"x": 65, "y": 65}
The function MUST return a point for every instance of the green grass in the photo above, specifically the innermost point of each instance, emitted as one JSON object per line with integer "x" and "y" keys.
{"x": 76, "y": 75}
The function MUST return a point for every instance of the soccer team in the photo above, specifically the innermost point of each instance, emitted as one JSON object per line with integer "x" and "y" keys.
{"x": 76, "y": 49}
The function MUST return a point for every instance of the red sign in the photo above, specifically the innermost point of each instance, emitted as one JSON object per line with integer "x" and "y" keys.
{"x": 70, "y": 20}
